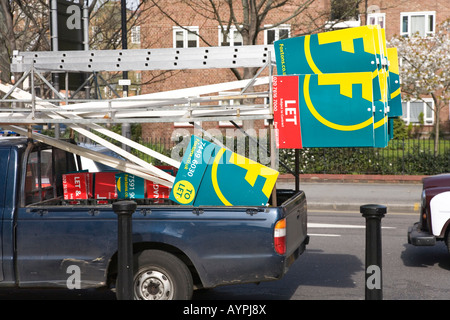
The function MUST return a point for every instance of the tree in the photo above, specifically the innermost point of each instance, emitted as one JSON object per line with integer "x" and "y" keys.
{"x": 22, "y": 29}
{"x": 249, "y": 17}
{"x": 105, "y": 22}
{"x": 25, "y": 27}
{"x": 425, "y": 70}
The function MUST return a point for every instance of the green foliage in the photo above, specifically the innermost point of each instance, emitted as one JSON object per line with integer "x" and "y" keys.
{"x": 410, "y": 157}
{"x": 400, "y": 130}
{"x": 402, "y": 156}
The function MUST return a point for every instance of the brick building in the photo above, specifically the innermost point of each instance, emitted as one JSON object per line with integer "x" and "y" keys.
{"x": 160, "y": 30}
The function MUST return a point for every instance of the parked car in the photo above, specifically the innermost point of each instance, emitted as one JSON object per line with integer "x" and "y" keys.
{"x": 434, "y": 223}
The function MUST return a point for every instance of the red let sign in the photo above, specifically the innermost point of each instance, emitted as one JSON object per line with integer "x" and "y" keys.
{"x": 286, "y": 112}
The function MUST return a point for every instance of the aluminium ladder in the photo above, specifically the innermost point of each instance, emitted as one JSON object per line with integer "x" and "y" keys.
{"x": 190, "y": 104}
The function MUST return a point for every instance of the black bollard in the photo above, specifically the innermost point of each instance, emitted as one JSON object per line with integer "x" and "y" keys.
{"x": 374, "y": 280}
{"x": 124, "y": 211}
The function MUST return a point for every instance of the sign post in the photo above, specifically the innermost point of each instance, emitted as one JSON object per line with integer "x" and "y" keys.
{"x": 124, "y": 211}
{"x": 374, "y": 280}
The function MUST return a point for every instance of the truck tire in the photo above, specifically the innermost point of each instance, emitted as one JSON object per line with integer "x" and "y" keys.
{"x": 160, "y": 275}
{"x": 447, "y": 240}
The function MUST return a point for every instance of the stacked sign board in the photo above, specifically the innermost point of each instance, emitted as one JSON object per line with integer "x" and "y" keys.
{"x": 336, "y": 89}
{"x": 212, "y": 175}
{"x": 109, "y": 185}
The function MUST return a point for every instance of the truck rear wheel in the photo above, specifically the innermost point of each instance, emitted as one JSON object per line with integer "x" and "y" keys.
{"x": 447, "y": 240}
{"x": 161, "y": 276}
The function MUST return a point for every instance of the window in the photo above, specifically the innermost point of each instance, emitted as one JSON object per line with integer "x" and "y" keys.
{"x": 374, "y": 19}
{"x": 277, "y": 33}
{"x": 39, "y": 177}
{"x": 45, "y": 167}
{"x": 344, "y": 10}
{"x": 418, "y": 112}
{"x": 136, "y": 34}
{"x": 344, "y": 14}
{"x": 233, "y": 37}
{"x": 421, "y": 23}
{"x": 186, "y": 37}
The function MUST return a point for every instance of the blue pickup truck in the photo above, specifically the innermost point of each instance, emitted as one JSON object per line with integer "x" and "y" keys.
{"x": 48, "y": 242}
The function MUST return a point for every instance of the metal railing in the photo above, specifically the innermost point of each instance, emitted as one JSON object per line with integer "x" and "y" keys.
{"x": 412, "y": 156}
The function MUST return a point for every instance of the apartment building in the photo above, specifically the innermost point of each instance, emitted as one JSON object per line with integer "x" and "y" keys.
{"x": 405, "y": 18}
{"x": 184, "y": 24}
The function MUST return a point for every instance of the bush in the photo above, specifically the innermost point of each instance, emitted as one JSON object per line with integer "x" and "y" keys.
{"x": 391, "y": 160}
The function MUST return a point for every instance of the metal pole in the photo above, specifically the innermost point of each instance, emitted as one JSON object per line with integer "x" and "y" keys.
{"x": 54, "y": 35}
{"x": 86, "y": 43}
{"x": 126, "y": 128}
{"x": 86, "y": 25}
{"x": 373, "y": 279}
{"x": 297, "y": 169}
{"x": 55, "y": 46}
{"x": 124, "y": 39}
{"x": 124, "y": 211}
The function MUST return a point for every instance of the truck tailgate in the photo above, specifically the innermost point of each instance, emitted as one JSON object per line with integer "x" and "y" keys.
{"x": 295, "y": 213}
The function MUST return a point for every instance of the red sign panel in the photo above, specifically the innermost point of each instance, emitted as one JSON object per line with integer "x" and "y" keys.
{"x": 105, "y": 185}
{"x": 77, "y": 186}
{"x": 157, "y": 191}
{"x": 286, "y": 112}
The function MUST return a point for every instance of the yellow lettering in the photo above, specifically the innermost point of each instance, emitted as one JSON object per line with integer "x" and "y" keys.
{"x": 346, "y": 37}
{"x": 324, "y": 121}
{"x": 254, "y": 170}
{"x": 346, "y": 81}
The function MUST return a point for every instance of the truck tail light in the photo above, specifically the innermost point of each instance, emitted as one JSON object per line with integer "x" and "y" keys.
{"x": 279, "y": 237}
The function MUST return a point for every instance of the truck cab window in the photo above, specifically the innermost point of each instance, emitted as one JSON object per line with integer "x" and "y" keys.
{"x": 64, "y": 162}
{"x": 39, "y": 180}
{"x": 44, "y": 170}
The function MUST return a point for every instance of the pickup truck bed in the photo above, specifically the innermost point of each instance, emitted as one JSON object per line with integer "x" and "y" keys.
{"x": 55, "y": 244}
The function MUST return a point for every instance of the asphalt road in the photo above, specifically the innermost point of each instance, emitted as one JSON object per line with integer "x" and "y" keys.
{"x": 333, "y": 266}
{"x": 403, "y": 198}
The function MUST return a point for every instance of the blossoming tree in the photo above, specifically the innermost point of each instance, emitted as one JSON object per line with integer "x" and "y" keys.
{"x": 425, "y": 70}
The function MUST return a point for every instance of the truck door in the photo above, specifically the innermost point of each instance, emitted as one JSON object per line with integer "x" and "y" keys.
{"x": 60, "y": 244}
{"x": 4, "y": 165}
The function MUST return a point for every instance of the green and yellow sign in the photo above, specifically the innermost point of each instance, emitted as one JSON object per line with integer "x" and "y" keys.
{"x": 395, "y": 99}
{"x": 215, "y": 176}
{"x": 129, "y": 186}
{"x": 347, "y": 59}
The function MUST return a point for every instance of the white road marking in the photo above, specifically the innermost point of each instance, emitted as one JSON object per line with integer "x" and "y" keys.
{"x": 335, "y": 226}
{"x": 340, "y": 226}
